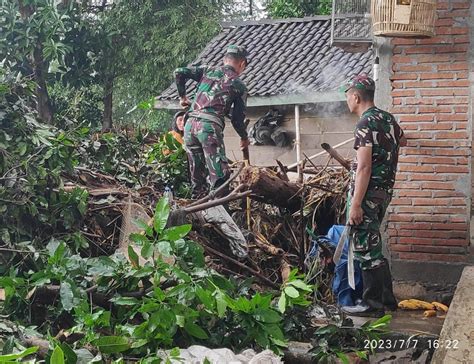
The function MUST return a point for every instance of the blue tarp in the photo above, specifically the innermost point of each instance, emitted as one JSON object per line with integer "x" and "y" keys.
{"x": 345, "y": 295}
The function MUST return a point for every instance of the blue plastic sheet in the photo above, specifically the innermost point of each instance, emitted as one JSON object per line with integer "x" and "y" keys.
{"x": 345, "y": 295}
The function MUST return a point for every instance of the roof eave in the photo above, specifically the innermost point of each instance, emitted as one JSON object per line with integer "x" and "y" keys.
{"x": 274, "y": 100}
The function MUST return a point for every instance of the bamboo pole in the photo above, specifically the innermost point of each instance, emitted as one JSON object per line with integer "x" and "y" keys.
{"x": 291, "y": 166}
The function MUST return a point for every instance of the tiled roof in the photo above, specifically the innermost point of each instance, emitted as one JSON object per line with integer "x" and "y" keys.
{"x": 291, "y": 56}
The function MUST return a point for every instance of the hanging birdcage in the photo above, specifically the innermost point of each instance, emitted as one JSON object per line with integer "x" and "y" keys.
{"x": 404, "y": 18}
{"x": 350, "y": 25}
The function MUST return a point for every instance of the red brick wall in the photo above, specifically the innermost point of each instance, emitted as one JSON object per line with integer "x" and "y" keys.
{"x": 431, "y": 96}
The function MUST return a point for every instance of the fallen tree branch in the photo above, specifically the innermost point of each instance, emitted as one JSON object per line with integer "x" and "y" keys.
{"x": 334, "y": 154}
{"x": 258, "y": 275}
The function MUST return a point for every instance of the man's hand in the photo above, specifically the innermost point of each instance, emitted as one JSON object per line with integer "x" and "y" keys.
{"x": 356, "y": 215}
{"x": 184, "y": 102}
{"x": 244, "y": 143}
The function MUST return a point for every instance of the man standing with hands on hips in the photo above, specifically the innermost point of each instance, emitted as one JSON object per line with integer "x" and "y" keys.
{"x": 218, "y": 90}
{"x": 378, "y": 138}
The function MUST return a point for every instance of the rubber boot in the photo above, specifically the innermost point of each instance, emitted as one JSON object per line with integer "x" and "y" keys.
{"x": 388, "y": 298}
{"x": 371, "y": 304}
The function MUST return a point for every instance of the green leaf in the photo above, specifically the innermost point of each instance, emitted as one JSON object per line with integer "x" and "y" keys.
{"x": 67, "y": 296}
{"x": 381, "y": 322}
{"x": 111, "y": 344}
{"x": 133, "y": 256}
{"x": 57, "y": 357}
{"x": 343, "y": 357}
{"x": 267, "y": 315}
{"x": 21, "y": 354}
{"x": 194, "y": 330}
{"x": 362, "y": 354}
{"x": 84, "y": 356}
{"x": 69, "y": 354}
{"x": 139, "y": 343}
{"x": 292, "y": 292}
{"x": 147, "y": 250}
{"x": 162, "y": 212}
{"x": 138, "y": 238}
{"x": 176, "y": 232}
{"x": 301, "y": 285}
{"x": 221, "y": 304}
{"x": 205, "y": 297}
{"x": 125, "y": 301}
{"x": 164, "y": 247}
{"x": 282, "y": 303}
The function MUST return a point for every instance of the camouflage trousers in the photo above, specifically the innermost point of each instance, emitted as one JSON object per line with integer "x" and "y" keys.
{"x": 204, "y": 144}
{"x": 366, "y": 237}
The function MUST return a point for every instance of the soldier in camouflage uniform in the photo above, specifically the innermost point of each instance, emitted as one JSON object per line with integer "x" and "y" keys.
{"x": 217, "y": 91}
{"x": 378, "y": 138}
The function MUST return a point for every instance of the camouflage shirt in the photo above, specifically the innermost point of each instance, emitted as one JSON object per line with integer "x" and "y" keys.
{"x": 379, "y": 129}
{"x": 217, "y": 90}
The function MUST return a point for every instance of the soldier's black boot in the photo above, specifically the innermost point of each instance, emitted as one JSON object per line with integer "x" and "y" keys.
{"x": 371, "y": 304}
{"x": 388, "y": 298}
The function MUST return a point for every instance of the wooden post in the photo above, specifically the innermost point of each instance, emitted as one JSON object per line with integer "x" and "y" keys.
{"x": 298, "y": 143}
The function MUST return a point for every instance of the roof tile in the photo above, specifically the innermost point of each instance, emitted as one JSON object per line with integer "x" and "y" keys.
{"x": 285, "y": 57}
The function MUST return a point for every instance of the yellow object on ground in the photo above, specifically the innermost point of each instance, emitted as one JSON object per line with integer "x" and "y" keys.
{"x": 413, "y": 304}
{"x": 440, "y": 307}
{"x": 429, "y": 313}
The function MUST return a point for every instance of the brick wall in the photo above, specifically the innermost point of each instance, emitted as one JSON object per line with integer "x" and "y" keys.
{"x": 431, "y": 96}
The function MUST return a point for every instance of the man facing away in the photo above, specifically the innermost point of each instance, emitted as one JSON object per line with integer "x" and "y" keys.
{"x": 378, "y": 138}
{"x": 217, "y": 91}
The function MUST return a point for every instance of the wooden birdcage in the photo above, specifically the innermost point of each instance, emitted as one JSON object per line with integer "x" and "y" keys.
{"x": 350, "y": 25}
{"x": 403, "y": 18}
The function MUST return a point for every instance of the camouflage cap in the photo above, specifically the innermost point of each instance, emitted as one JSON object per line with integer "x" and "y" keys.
{"x": 360, "y": 82}
{"x": 237, "y": 51}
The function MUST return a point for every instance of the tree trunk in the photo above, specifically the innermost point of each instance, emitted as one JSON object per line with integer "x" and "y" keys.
{"x": 108, "y": 93}
{"x": 269, "y": 188}
{"x": 43, "y": 103}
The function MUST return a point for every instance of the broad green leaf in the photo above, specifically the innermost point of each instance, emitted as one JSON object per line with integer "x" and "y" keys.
{"x": 111, "y": 344}
{"x": 301, "y": 285}
{"x": 138, "y": 238}
{"x": 139, "y": 343}
{"x": 164, "y": 247}
{"x": 176, "y": 232}
{"x": 194, "y": 330}
{"x": 292, "y": 292}
{"x": 67, "y": 296}
{"x": 362, "y": 354}
{"x": 162, "y": 212}
{"x": 205, "y": 297}
{"x": 147, "y": 250}
{"x": 21, "y": 354}
{"x": 57, "y": 357}
{"x": 84, "y": 356}
{"x": 282, "y": 303}
{"x": 69, "y": 355}
{"x": 133, "y": 256}
{"x": 267, "y": 315}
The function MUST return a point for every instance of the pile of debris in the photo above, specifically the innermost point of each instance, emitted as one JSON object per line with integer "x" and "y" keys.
{"x": 262, "y": 229}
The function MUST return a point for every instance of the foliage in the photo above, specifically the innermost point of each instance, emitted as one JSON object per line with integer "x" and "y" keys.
{"x": 33, "y": 156}
{"x": 76, "y": 106}
{"x": 169, "y": 162}
{"x": 182, "y": 301}
{"x": 334, "y": 340}
{"x": 298, "y": 8}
